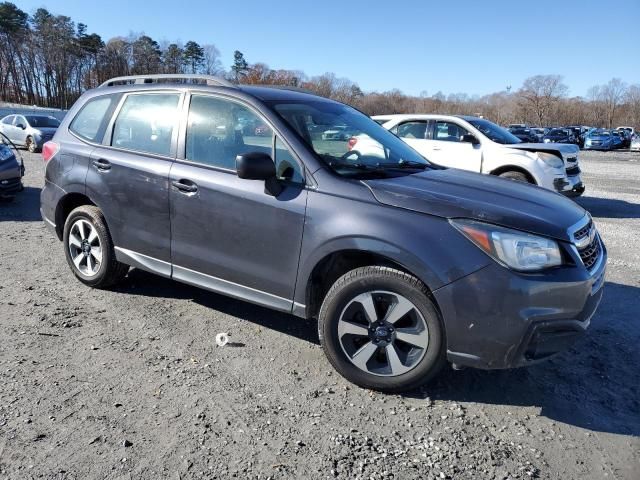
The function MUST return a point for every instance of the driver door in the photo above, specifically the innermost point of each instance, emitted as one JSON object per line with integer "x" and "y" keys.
{"x": 227, "y": 233}
{"x": 448, "y": 149}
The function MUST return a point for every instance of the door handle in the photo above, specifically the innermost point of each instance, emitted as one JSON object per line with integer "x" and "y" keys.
{"x": 436, "y": 148}
{"x": 186, "y": 186}
{"x": 102, "y": 164}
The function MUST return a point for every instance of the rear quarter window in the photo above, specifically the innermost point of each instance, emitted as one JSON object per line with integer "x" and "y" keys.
{"x": 90, "y": 122}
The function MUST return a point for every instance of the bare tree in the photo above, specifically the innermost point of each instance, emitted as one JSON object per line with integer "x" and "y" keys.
{"x": 612, "y": 95}
{"x": 541, "y": 94}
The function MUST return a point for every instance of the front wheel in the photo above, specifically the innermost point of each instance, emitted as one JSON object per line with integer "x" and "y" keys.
{"x": 32, "y": 146}
{"x": 380, "y": 330}
{"x": 515, "y": 176}
{"x": 89, "y": 249}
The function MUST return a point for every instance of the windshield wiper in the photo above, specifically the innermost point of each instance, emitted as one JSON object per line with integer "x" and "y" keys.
{"x": 405, "y": 164}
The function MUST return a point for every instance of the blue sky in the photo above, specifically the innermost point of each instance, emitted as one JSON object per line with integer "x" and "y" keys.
{"x": 465, "y": 46}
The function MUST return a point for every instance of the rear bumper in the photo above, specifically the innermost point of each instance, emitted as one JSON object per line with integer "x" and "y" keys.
{"x": 9, "y": 186}
{"x": 11, "y": 173}
{"x": 497, "y": 318}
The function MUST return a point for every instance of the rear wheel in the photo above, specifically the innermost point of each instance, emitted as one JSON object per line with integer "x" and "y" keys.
{"x": 380, "y": 330}
{"x": 515, "y": 176}
{"x": 89, "y": 249}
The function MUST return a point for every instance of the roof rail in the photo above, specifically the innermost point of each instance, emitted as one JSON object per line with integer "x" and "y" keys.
{"x": 168, "y": 78}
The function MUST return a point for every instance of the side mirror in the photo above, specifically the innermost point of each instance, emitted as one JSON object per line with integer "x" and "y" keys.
{"x": 468, "y": 138}
{"x": 259, "y": 166}
{"x": 21, "y": 126}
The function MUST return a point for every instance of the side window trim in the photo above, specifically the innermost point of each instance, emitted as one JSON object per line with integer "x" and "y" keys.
{"x": 105, "y": 121}
{"x": 181, "y": 153}
{"x": 108, "y": 135}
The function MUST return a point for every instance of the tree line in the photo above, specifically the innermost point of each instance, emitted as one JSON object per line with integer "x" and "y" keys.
{"x": 49, "y": 60}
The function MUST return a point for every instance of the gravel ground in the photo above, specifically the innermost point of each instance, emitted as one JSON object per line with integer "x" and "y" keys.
{"x": 128, "y": 383}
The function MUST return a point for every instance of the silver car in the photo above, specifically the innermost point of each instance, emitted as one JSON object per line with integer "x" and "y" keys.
{"x": 30, "y": 131}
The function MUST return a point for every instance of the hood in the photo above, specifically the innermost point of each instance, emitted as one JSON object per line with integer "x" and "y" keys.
{"x": 452, "y": 193}
{"x": 565, "y": 149}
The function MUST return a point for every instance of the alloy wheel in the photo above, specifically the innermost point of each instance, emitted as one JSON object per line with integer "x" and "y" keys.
{"x": 85, "y": 248}
{"x": 383, "y": 333}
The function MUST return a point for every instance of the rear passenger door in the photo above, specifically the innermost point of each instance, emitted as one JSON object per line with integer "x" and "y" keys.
{"x": 128, "y": 177}
{"x": 414, "y": 133}
{"x": 227, "y": 234}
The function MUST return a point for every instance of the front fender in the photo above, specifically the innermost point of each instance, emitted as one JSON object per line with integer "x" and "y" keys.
{"x": 425, "y": 245}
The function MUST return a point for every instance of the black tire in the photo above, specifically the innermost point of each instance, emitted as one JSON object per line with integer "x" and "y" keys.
{"x": 32, "y": 146}
{"x": 515, "y": 176}
{"x": 376, "y": 278}
{"x": 110, "y": 270}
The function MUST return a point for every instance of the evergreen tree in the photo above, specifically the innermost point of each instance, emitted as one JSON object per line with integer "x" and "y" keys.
{"x": 193, "y": 56}
{"x": 240, "y": 66}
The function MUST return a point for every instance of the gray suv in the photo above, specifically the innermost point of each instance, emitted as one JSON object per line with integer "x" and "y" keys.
{"x": 406, "y": 265}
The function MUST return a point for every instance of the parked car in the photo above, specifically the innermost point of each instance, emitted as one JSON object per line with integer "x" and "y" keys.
{"x": 11, "y": 170}
{"x": 524, "y": 134}
{"x": 560, "y": 135}
{"x": 599, "y": 139}
{"x": 618, "y": 138}
{"x": 337, "y": 132}
{"x": 476, "y": 144}
{"x": 578, "y": 134}
{"x": 30, "y": 131}
{"x": 406, "y": 265}
{"x": 262, "y": 130}
{"x": 626, "y": 134}
{"x": 635, "y": 143}
{"x": 539, "y": 133}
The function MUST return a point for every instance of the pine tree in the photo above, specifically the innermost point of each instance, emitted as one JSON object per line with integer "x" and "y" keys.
{"x": 240, "y": 66}
{"x": 193, "y": 56}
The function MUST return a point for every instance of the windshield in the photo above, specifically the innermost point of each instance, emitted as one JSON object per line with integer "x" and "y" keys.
{"x": 348, "y": 141}
{"x": 558, "y": 131}
{"x": 37, "y": 121}
{"x": 599, "y": 133}
{"x": 494, "y": 132}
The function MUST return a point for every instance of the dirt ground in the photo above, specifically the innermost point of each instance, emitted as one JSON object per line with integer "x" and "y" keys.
{"x": 129, "y": 384}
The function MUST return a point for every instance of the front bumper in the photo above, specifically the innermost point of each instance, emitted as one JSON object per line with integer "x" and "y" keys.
{"x": 498, "y": 318}
{"x": 571, "y": 186}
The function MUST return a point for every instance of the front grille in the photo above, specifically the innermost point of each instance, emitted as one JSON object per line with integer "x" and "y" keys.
{"x": 571, "y": 171}
{"x": 583, "y": 232}
{"x": 591, "y": 253}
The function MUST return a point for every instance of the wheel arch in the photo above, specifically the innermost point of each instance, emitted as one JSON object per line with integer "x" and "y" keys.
{"x": 335, "y": 264}
{"x": 514, "y": 168}
{"x": 65, "y": 206}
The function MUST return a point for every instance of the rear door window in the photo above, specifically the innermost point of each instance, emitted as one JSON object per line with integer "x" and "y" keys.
{"x": 91, "y": 121}
{"x": 146, "y": 123}
{"x": 414, "y": 129}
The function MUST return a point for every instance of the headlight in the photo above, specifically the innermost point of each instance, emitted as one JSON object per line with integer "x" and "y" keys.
{"x": 547, "y": 140}
{"x": 551, "y": 159}
{"x": 517, "y": 250}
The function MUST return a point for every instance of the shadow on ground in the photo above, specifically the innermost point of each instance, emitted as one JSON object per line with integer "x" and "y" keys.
{"x": 24, "y": 207}
{"x": 139, "y": 282}
{"x": 595, "y": 385}
{"x": 609, "y": 208}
